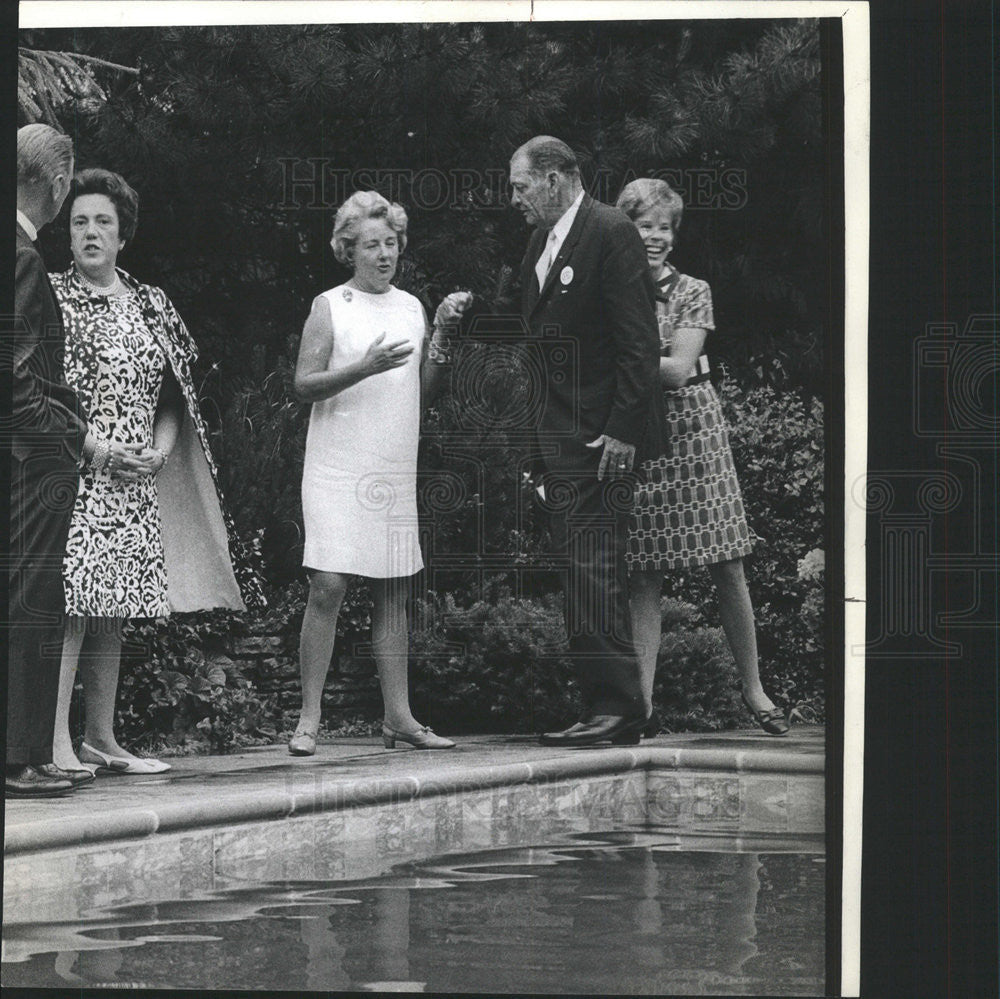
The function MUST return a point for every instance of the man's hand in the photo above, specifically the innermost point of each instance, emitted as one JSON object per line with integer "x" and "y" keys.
{"x": 617, "y": 459}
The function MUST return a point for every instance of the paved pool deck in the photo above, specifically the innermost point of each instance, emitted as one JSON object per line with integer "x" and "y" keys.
{"x": 266, "y": 783}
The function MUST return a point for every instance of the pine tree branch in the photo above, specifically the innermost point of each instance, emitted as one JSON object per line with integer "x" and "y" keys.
{"x": 73, "y": 57}
{"x": 49, "y": 80}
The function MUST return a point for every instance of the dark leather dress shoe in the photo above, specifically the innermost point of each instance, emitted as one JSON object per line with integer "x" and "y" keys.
{"x": 75, "y": 777}
{"x": 28, "y": 782}
{"x": 631, "y": 737}
{"x": 597, "y": 728}
{"x": 559, "y": 738}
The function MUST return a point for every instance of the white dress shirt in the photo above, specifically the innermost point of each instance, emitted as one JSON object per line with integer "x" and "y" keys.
{"x": 26, "y": 225}
{"x": 557, "y": 235}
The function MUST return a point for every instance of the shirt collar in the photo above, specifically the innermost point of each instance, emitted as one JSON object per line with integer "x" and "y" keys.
{"x": 668, "y": 275}
{"x": 562, "y": 227}
{"x": 26, "y": 224}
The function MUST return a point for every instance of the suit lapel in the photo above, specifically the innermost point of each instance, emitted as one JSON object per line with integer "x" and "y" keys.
{"x": 572, "y": 237}
{"x": 25, "y": 240}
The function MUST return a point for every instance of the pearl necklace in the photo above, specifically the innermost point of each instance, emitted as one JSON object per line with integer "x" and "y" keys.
{"x": 114, "y": 288}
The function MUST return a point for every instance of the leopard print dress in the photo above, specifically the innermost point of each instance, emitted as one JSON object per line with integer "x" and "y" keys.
{"x": 114, "y": 563}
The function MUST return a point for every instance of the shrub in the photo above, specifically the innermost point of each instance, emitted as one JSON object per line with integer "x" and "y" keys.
{"x": 695, "y": 686}
{"x": 259, "y": 444}
{"x": 501, "y": 665}
{"x": 497, "y": 665}
{"x": 178, "y": 685}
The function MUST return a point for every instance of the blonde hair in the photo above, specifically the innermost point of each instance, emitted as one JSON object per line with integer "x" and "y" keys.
{"x": 42, "y": 153}
{"x": 645, "y": 193}
{"x": 356, "y": 209}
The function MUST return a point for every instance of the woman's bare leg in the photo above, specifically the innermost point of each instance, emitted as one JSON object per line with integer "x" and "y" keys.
{"x": 390, "y": 641}
{"x": 736, "y": 614}
{"x": 644, "y": 605}
{"x": 62, "y": 741}
{"x": 319, "y": 629}
{"x": 100, "y": 665}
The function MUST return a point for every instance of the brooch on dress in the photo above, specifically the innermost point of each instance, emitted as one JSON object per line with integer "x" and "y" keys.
{"x": 347, "y": 295}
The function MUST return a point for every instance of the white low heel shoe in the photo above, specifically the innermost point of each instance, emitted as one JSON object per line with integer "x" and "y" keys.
{"x": 423, "y": 738}
{"x": 120, "y": 764}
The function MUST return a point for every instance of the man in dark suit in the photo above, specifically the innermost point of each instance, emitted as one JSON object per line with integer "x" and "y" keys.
{"x": 47, "y": 433}
{"x": 585, "y": 279}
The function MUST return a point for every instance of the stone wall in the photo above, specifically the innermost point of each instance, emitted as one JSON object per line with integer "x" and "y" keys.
{"x": 271, "y": 662}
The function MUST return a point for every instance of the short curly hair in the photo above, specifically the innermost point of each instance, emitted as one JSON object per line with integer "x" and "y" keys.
{"x": 114, "y": 186}
{"x": 641, "y": 195}
{"x": 356, "y": 209}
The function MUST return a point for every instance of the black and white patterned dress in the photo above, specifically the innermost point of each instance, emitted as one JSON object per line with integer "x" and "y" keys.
{"x": 114, "y": 555}
{"x": 167, "y": 543}
{"x": 688, "y": 510}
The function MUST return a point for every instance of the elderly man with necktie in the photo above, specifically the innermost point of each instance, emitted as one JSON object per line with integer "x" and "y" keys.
{"x": 585, "y": 277}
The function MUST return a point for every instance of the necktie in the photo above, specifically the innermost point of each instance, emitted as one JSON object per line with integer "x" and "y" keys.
{"x": 545, "y": 260}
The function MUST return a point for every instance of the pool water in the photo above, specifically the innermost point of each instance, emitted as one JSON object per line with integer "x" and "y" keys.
{"x": 615, "y": 913}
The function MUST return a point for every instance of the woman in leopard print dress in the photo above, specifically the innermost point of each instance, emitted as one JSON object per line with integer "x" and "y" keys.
{"x": 148, "y": 535}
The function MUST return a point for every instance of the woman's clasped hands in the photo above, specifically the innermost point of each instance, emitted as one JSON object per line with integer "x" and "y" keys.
{"x": 132, "y": 462}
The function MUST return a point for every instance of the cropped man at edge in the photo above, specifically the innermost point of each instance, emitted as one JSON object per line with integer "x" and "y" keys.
{"x": 49, "y": 440}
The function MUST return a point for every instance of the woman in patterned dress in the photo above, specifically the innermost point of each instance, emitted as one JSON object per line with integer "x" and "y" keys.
{"x": 364, "y": 362}
{"x": 688, "y": 510}
{"x": 149, "y": 534}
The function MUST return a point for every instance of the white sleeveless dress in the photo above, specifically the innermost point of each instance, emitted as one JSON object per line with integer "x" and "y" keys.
{"x": 359, "y": 479}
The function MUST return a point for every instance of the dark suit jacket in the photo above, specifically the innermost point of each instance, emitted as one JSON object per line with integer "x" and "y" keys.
{"x": 45, "y": 410}
{"x": 600, "y": 297}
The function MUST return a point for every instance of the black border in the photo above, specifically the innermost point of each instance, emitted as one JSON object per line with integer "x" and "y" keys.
{"x": 929, "y": 874}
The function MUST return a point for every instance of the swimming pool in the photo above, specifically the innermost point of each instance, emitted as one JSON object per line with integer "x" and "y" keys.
{"x": 626, "y": 912}
{"x": 650, "y": 871}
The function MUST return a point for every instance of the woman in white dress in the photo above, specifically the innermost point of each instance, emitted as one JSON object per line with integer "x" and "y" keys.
{"x": 364, "y": 360}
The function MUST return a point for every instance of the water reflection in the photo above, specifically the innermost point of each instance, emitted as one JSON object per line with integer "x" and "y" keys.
{"x": 324, "y": 956}
{"x": 625, "y": 913}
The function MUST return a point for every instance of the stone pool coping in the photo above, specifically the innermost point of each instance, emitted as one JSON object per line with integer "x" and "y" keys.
{"x": 267, "y": 784}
